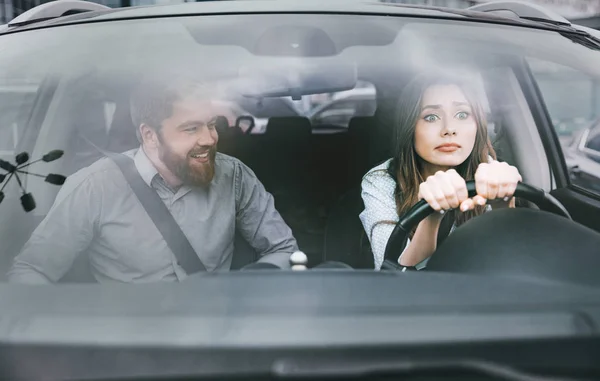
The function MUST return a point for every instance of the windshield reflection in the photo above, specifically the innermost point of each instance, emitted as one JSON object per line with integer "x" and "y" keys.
{"x": 221, "y": 143}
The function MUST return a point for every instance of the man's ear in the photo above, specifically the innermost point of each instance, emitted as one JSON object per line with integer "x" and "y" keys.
{"x": 148, "y": 136}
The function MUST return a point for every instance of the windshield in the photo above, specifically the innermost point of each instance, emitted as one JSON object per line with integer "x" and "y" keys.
{"x": 256, "y": 133}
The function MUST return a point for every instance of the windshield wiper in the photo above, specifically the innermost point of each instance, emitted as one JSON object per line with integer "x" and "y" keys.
{"x": 289, "y": 368}
{"x": 584, "y": 39}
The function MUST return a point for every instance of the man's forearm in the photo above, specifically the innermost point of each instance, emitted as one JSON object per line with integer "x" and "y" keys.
{"x": 281, "y": 260}
{"x": 261, "y": 224}
{"x": 23, "y": 272}
{"x": 279, "y": 252}
{"x": 43, "y": 259}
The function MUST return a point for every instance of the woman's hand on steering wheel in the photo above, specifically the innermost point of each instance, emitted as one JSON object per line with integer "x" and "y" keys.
{"x": 496, "y": 180}
{"x": 448, "y": 190}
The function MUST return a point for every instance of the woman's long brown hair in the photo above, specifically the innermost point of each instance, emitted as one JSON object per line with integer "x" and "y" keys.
{"x": 406, "y": 164}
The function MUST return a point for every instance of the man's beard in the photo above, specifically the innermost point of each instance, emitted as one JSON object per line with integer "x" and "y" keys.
{"x": 190, "y": 173}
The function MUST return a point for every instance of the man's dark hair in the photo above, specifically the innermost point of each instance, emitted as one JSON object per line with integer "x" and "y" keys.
{"x": 152, "y": 99}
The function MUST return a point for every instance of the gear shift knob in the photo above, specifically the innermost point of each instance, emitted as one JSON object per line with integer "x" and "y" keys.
{"x": 298, "y": 261}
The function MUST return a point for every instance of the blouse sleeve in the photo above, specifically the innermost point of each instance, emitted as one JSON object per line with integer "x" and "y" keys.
{"x": 379, "y": 216}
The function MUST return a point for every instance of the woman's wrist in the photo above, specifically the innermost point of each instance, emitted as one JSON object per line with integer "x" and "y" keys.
{"x": 434, "y": 218}
{"x": 424, "y": 237}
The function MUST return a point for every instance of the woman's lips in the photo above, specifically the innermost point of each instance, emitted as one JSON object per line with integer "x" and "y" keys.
{"x": 448, "y": 147}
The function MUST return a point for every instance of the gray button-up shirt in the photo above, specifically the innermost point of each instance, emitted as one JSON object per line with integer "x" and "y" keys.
{"x": 97, "y": 212}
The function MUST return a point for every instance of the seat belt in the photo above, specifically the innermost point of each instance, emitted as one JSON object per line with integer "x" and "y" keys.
{"x": 185, "y": 254}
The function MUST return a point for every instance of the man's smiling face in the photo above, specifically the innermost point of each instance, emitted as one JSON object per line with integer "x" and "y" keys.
{"x": 188, "y": 140}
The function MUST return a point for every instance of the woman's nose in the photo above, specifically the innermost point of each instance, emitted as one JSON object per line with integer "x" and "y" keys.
{"x": 449, "y": 129}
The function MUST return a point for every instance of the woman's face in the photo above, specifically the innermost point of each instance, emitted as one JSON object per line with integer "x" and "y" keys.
{"x": 446, "y": 129}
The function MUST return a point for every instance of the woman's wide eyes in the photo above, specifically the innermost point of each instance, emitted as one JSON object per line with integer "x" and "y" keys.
{"x": 431, "y": 118}
{"x": 462, "y": 115}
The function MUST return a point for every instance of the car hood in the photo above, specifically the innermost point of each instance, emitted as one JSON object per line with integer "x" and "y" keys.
{"x": 310, "y": 308}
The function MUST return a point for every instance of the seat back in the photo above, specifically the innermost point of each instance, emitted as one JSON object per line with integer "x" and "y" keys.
{"x": 345, "y": 238}
{"x": 359, "y": 147}
{"x": 288, "y": 152}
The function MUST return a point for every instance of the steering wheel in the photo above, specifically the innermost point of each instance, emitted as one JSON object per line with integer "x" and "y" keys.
{"x": 421, "y": 210}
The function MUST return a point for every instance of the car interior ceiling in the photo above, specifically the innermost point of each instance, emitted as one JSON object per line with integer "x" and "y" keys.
{"x": 314, "y": 178}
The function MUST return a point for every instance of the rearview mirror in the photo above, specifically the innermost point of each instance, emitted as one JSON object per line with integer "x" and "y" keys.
{"x": 295, "y": 78}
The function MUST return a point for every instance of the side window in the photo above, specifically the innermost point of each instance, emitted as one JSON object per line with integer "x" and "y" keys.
{"x": 572, "y": 99}
{"x": 16, "y": 103}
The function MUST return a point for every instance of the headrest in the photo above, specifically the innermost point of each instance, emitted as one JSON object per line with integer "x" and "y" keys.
{"x": 360, "y": 123}
{"x": 221, "y": 122}
{"x": 289, "y": 126}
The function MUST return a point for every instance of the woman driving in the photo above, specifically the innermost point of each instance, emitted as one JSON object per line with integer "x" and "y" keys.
{"x": 441, "y": 141}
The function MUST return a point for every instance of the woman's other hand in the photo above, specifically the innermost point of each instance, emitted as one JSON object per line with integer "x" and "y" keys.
{"x": 496, "y": 180}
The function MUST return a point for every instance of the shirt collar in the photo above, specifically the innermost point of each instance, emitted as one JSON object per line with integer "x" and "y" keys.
{"x": 144, "y": 166}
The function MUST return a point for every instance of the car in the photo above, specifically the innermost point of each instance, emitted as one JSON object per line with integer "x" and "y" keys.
{"x": 512, "y": 294}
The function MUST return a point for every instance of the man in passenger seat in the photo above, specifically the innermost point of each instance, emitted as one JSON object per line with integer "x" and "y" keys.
{"x": 210, "y": 195}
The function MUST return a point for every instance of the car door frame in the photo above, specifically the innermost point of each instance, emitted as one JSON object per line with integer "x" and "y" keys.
{"x": 582, "y": 204}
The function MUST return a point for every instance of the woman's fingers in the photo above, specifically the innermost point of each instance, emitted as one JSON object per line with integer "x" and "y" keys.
{"x": 510, "y": 191}
{"x": 460, "y": 186}
{"x": 448, "y": 190}
{"x": 447, "y": 184}
{"x": 493, "y": 186}
{"x": 426, "y": 194}
{"x": 496, "y": 180}
{"x": 485, "y": 183}
{"x": 438, "y": 192}
{"x": 479, "y": 200}
{"x": 468, "y": 204}
{"x": 512, "y": 184}
{"x": 481, "y": 180}
{"x": 502, "y": 189}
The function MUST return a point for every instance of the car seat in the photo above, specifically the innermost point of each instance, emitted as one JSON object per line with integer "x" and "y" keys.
{"x": 359, "y": 147}
{"x": 345, "y": 239}
{"x": 229, "y": 137}
{"x": 286, "y": 157}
